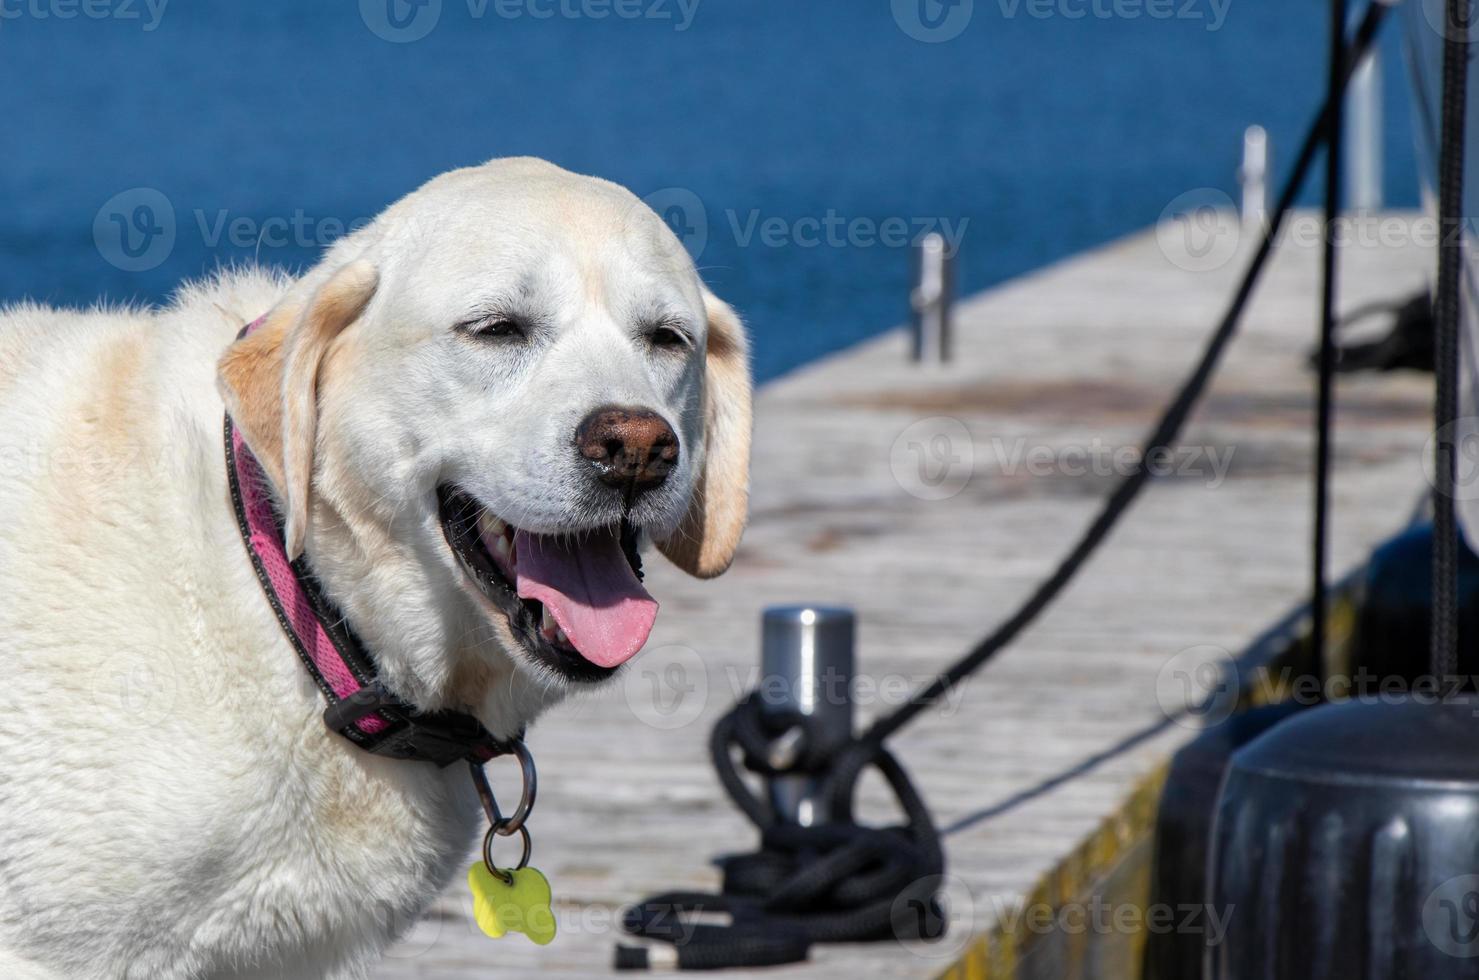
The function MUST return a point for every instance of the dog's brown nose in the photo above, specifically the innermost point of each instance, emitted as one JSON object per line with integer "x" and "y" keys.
{"x": 629, "y": 447}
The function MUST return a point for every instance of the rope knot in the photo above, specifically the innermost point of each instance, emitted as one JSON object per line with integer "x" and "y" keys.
{"x": 835, "y": 882}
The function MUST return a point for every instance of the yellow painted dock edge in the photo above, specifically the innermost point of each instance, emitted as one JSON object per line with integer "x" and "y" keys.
{"x": 994, "y": 955}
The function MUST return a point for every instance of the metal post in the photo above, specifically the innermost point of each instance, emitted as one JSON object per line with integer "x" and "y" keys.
{"x": 1363, "y": 135}
{"x": 1253, "y": 175}
{"x": 932, "y": 298}
{"x": 806, "y": 661}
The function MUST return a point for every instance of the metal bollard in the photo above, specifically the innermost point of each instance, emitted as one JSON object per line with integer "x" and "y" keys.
{"x": 1253, "y": 176}
{"x": 806, "y": 662}
{"x": 1363, "y": 136}
{"x": 932, "y": 298}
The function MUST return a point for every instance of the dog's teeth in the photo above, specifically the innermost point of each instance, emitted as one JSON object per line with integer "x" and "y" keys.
{"x": 547, "y": 622}
{"x": 500, "y": 547}
{"x": 490, "y": 526}
{"x": 560, "y": 637}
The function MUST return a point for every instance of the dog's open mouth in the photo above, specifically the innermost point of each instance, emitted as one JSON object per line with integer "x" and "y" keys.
{"x": 574, "y": 603}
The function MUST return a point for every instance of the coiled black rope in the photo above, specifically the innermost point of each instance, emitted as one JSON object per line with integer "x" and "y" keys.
{"x": 1408, "y": 342}
{"x": 1448, "y": 310}
{"x": 844, "y": 882}
{"x": 832, "y": 883}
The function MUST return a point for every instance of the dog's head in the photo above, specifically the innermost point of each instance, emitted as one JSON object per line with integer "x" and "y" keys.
{"x": 473, "y": 408}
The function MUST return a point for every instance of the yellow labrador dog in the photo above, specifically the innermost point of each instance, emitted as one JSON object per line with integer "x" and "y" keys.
{"x": 463, "y": 418}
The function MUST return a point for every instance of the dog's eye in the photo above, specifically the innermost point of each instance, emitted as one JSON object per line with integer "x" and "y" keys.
{"x": 494, "y": 328}
{"x": 667, "y": 337}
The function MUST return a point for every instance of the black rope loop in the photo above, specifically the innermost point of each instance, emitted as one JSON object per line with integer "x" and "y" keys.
{"x": 835, "y": 882}
{"x": 757, "y": 727}
{"x": 749, "y": 938}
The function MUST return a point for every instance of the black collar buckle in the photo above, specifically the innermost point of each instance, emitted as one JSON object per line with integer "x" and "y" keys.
{"x": 441, "y": 737}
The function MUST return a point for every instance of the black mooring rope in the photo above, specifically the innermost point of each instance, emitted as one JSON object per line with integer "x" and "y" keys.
{"x": 1448, "y": 309}
{"x": 836, "y": 882}
{"x": 1325, "y": 393}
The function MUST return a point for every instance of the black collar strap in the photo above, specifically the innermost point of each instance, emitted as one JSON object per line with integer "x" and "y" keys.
{"x": 359, "y": 706}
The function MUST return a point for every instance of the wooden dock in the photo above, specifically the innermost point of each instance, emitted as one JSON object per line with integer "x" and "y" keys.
{"x": 931, "y": 500}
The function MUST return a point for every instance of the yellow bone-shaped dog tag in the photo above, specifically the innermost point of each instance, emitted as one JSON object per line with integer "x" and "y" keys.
{"x": 501, "y": 908}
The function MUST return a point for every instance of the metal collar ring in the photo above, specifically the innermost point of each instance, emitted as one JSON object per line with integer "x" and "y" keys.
{"x": 512, "y": 824}
{"x": 505, "y": 874}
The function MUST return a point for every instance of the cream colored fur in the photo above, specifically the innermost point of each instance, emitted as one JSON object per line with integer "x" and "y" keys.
{"x": 171, "y": 805}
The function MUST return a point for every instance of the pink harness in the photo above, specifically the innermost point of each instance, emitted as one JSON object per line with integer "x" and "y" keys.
{"x": 359, "y": 706}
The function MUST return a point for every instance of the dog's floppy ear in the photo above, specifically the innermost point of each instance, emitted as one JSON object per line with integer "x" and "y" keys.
{"x": 705, "y": 542}
{"x": 269, "y": 381}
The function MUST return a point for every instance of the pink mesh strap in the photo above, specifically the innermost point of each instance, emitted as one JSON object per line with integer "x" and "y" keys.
{"x": 265, "y": 541}
{"x": 359, "y": 708}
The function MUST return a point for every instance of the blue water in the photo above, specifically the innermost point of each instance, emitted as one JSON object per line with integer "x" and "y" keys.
{"x": 1043, "y": 134}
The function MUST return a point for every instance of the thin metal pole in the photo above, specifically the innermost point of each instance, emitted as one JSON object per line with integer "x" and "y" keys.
{"x": 1324, "y": 415}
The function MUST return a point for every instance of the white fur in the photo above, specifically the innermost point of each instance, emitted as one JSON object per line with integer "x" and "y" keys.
{"x": 171, "y": 805}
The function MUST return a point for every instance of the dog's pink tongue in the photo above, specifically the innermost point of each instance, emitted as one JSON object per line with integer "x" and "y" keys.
{"x": 590, "y": 589}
